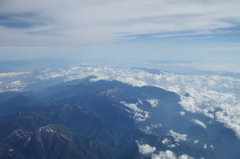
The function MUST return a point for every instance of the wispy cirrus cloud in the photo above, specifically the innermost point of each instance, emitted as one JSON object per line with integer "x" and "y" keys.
{"x": 10, "y": 74}
{"x": 14, "y": 86}
{"x": 198, "y": 122}
{"x": 89, "y": 22}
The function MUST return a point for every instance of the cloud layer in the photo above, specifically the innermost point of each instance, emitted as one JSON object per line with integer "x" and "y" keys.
{"x": 87, "y": 22}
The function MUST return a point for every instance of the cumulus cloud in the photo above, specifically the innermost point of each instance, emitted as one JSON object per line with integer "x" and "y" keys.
{"x": 184, "y": 156}
{"x": 182, "y": 113}
{"x": 168, "y": 142}
{"x": 153, "y": 102}
{"x": 145, "y": 148}
{"x": 169, "y": 155}
{"x": 212, "y": 146}
{"x": 230, "y": 117}
{"x": 139, "y": 115}
{"x": 164, "y": 155}
{"x": 178, "y": 137}
{"x": 205, "y": 146}
{"x": 148, "y": 129}
{"x": 198, "y": 122}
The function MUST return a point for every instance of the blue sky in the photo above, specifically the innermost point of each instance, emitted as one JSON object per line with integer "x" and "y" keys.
{"x": 198, "y": 30}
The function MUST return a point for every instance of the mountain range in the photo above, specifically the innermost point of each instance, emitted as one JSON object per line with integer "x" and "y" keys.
{"x": 107, "y": 120}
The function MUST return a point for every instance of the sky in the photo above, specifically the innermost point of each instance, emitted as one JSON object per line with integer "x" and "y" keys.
{"x": 191, "y": 30}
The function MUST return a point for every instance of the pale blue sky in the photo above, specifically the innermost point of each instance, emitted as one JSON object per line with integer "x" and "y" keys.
{"x": 199, "y": 30}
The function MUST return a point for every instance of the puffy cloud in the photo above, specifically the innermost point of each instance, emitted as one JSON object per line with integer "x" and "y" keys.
{"x": 156, "y": 125}
{"x": 178, "y": 137}
{"x": 195, "y": 141}
{"x": 139, "y": 115}
{"x": 230, "y": 117}
{"x": 198, "y": 122}
{"x": 131, "y": 106}
{"x": 184, "y": 156}
{"x": 148, "y": 129}
{"x": 153, "y": 102}
{"x": 182, "y": 113}
{"x": 169, "y": 155}
{"x": 166, "y": 141}
{"x": 164, "y": 155}
{"x": 145, "y": 149}
{"x": 205, "y": 146}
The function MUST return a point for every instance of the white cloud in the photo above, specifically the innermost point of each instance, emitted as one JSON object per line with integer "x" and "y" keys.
{"x": 169, "y": 155}
{"x": 198, "y": 122}
{"x": 153, "y": 102}
{"x": 156, "y": 125}
{"x": 131, "y": 106}
{"x": 230, "y": 117}
{"x": 148, "y": 129}
{"x": 132, "y": 81}
{"x": 166, "y": 141}
{"x": 55, "y": 22}
{"x": 14, "y": 86}
{"x": 10, "y": 74}
{"x": 182, "y": 113}
{"x": 145, "y": 149}
{"x": 139, "y": 101}
{"x": 195, "y": 141}
{"x": 212, "y": 146}
{"x": 164, "y": 155}
{"x": 205, "y": 146}
{"x": 178, "y": 137}
{"x": 184, "y": 156}
{"x": 139, "y": 115}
